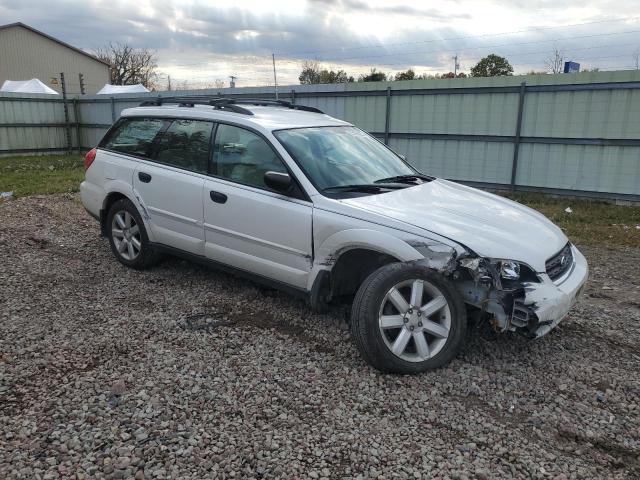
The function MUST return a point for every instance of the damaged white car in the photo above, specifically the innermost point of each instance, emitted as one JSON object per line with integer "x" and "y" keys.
{"x": 311, "y": 204}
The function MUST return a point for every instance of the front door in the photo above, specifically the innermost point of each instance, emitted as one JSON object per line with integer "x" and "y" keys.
{"x": 246, "y": 224}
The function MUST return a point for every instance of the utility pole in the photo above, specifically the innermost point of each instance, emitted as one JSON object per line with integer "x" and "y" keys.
{"x": 275, "y": 80}
{"x": 169, "y": 83}
{"x": 232, "y": 82}
{"x": 456, "y": 65}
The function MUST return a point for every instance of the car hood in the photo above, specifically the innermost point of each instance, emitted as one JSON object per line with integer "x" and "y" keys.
{"x": 490, "y": 225}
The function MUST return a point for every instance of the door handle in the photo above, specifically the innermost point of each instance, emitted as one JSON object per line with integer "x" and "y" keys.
{"x": 144, "y": 177}
{"x": 218, "y": 197}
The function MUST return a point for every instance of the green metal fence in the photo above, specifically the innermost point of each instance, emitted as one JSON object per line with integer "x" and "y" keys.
{"x": 575, "y": 134}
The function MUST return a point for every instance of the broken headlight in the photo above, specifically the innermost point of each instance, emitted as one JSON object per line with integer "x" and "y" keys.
{"x": 509, "y": 270}
{"x": 512, "y": 270}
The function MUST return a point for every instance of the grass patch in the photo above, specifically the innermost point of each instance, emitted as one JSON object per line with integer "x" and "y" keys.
{"x": 589, "y": 223}
{"x": 43, "y": 174}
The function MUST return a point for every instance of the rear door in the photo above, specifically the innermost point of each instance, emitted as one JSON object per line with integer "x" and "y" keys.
{"x": 171, "y": 182}
{"x": 246, "y": 224}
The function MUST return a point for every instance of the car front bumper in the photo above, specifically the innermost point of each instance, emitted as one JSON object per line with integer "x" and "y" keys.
{"x": 546, "y": 303}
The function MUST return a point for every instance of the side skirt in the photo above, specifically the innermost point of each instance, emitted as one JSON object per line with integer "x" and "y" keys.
{"x": 238, "y": 272}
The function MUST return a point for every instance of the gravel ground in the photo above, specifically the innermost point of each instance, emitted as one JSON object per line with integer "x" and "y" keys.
{"x": 185, "y": 372}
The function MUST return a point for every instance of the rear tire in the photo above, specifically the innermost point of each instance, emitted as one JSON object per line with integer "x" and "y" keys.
{"x": 128, "y": 237}
{"x": 407, "y": 319}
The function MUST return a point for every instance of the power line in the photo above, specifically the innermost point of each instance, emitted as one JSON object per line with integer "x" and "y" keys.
{"x": 264, "y": 65}
{"x": 483, "y": 47}
{"x": 542, "y": 52}
{"x": 459, "y": 38}
{"x": 535, "y": 29}
{"x": 516, "y": 55}
{"x": 423, "y": 52}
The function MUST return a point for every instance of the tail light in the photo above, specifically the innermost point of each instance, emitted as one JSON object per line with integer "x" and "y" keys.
{"x": 89, "y": 158}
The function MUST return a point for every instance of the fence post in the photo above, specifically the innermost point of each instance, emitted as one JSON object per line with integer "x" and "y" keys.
{"x": 293, "y": 96}
{"x": 516, "y": 138}
{"x": 113, "y": 109}
{"x": 76, "y": 114}
{"x": 66, "y": 111}
{"x": 81, "y": 81}
{"x": 387, "y": 117}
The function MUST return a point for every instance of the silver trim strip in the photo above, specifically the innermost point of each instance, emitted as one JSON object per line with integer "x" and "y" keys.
{"x": 175, "y": 216}
{"x": 259, "y": 241}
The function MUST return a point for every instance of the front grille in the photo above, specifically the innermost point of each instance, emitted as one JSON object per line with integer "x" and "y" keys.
{"x": 560, "y": 263}
{"x": 520, "y": 315}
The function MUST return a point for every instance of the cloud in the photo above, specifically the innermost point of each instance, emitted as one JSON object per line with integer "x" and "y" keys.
{"x": 361, "y": 6}
{"x": 199, "y": 41}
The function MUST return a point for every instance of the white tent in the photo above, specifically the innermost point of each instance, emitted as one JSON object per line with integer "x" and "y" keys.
{"x": 26, "y": 86}
{"x": 114, "y": 89}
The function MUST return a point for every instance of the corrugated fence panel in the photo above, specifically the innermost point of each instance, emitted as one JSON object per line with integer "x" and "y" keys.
{"x": 593, "y": 114}
{"x": 334, "y": 106}
{"x": 580, "y": 167}
{"x": 578, "y": 132}
{"x": 470, "y": 114}
{"x": 368, "y": 113}
{"x": 488, "y": 162}
{"x": 36, "y": 109}
{"x": 14, "y": 111}
{"x": 91, "y": 136}
{"x": 96, "y": 113}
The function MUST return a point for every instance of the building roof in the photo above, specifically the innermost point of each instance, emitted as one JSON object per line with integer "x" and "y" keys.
{"x": 60, "y": 42}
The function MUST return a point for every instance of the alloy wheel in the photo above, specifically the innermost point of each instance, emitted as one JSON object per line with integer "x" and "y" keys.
{"x": 414, "y": 320}
{"x": 126, "y": 235}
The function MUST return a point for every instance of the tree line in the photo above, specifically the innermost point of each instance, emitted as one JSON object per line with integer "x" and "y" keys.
{"x": 139, "y": 65}
{"x": 313, "y": 73}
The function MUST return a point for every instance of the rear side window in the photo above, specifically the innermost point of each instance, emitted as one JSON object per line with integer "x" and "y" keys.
{"x": 185, "y": 144}
{"x": 135, "y": 136}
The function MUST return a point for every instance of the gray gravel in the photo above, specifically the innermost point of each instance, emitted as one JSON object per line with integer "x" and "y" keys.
{"x": 185, "y": 372}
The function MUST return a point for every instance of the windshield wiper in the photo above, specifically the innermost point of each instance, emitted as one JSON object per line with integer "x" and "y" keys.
{"x": 365, "y": 187}
{"x": 411, "y": 178}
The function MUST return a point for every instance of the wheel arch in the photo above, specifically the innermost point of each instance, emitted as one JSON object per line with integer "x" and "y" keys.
{"x": 118, "y": 191}
{"x": 346, "y": 258}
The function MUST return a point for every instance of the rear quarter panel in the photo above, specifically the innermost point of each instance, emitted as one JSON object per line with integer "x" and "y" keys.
{"x": 111, "y": 173}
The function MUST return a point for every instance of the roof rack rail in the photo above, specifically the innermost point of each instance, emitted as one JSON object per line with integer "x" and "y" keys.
{"x": 227, "y": 104}
{"x": 266, "y": 102}
{"x": 195, "y": 100}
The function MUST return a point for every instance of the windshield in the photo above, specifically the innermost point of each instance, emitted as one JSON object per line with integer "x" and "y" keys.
{"x": 341, "y": 156}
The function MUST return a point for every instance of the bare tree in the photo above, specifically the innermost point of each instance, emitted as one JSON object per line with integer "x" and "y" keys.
{"x": 129, "y": 65}
{"x": 183, "y": 85}
{"x": 218, "y": 83}
{"x": 636, "y": 58}
{"x": 555, "y": 63}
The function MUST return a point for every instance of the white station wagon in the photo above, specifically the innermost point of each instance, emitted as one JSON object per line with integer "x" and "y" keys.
{"x": 305, "y": 202}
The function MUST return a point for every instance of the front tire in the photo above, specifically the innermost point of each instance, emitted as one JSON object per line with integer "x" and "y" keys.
{"x": 407, "y": 319}
{"x": 128, "y": 237}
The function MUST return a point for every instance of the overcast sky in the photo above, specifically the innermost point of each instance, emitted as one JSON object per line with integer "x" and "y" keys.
{"x": 200, "y": 41}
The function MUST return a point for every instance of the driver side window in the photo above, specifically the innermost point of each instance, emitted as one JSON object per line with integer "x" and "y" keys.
{"x": 243, "y": 156}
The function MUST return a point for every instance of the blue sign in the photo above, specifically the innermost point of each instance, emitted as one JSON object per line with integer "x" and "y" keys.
{"x": 571, "y": 67}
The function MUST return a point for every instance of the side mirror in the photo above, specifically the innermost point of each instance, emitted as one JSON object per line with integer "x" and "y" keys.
{"x": 280, "y": 182}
